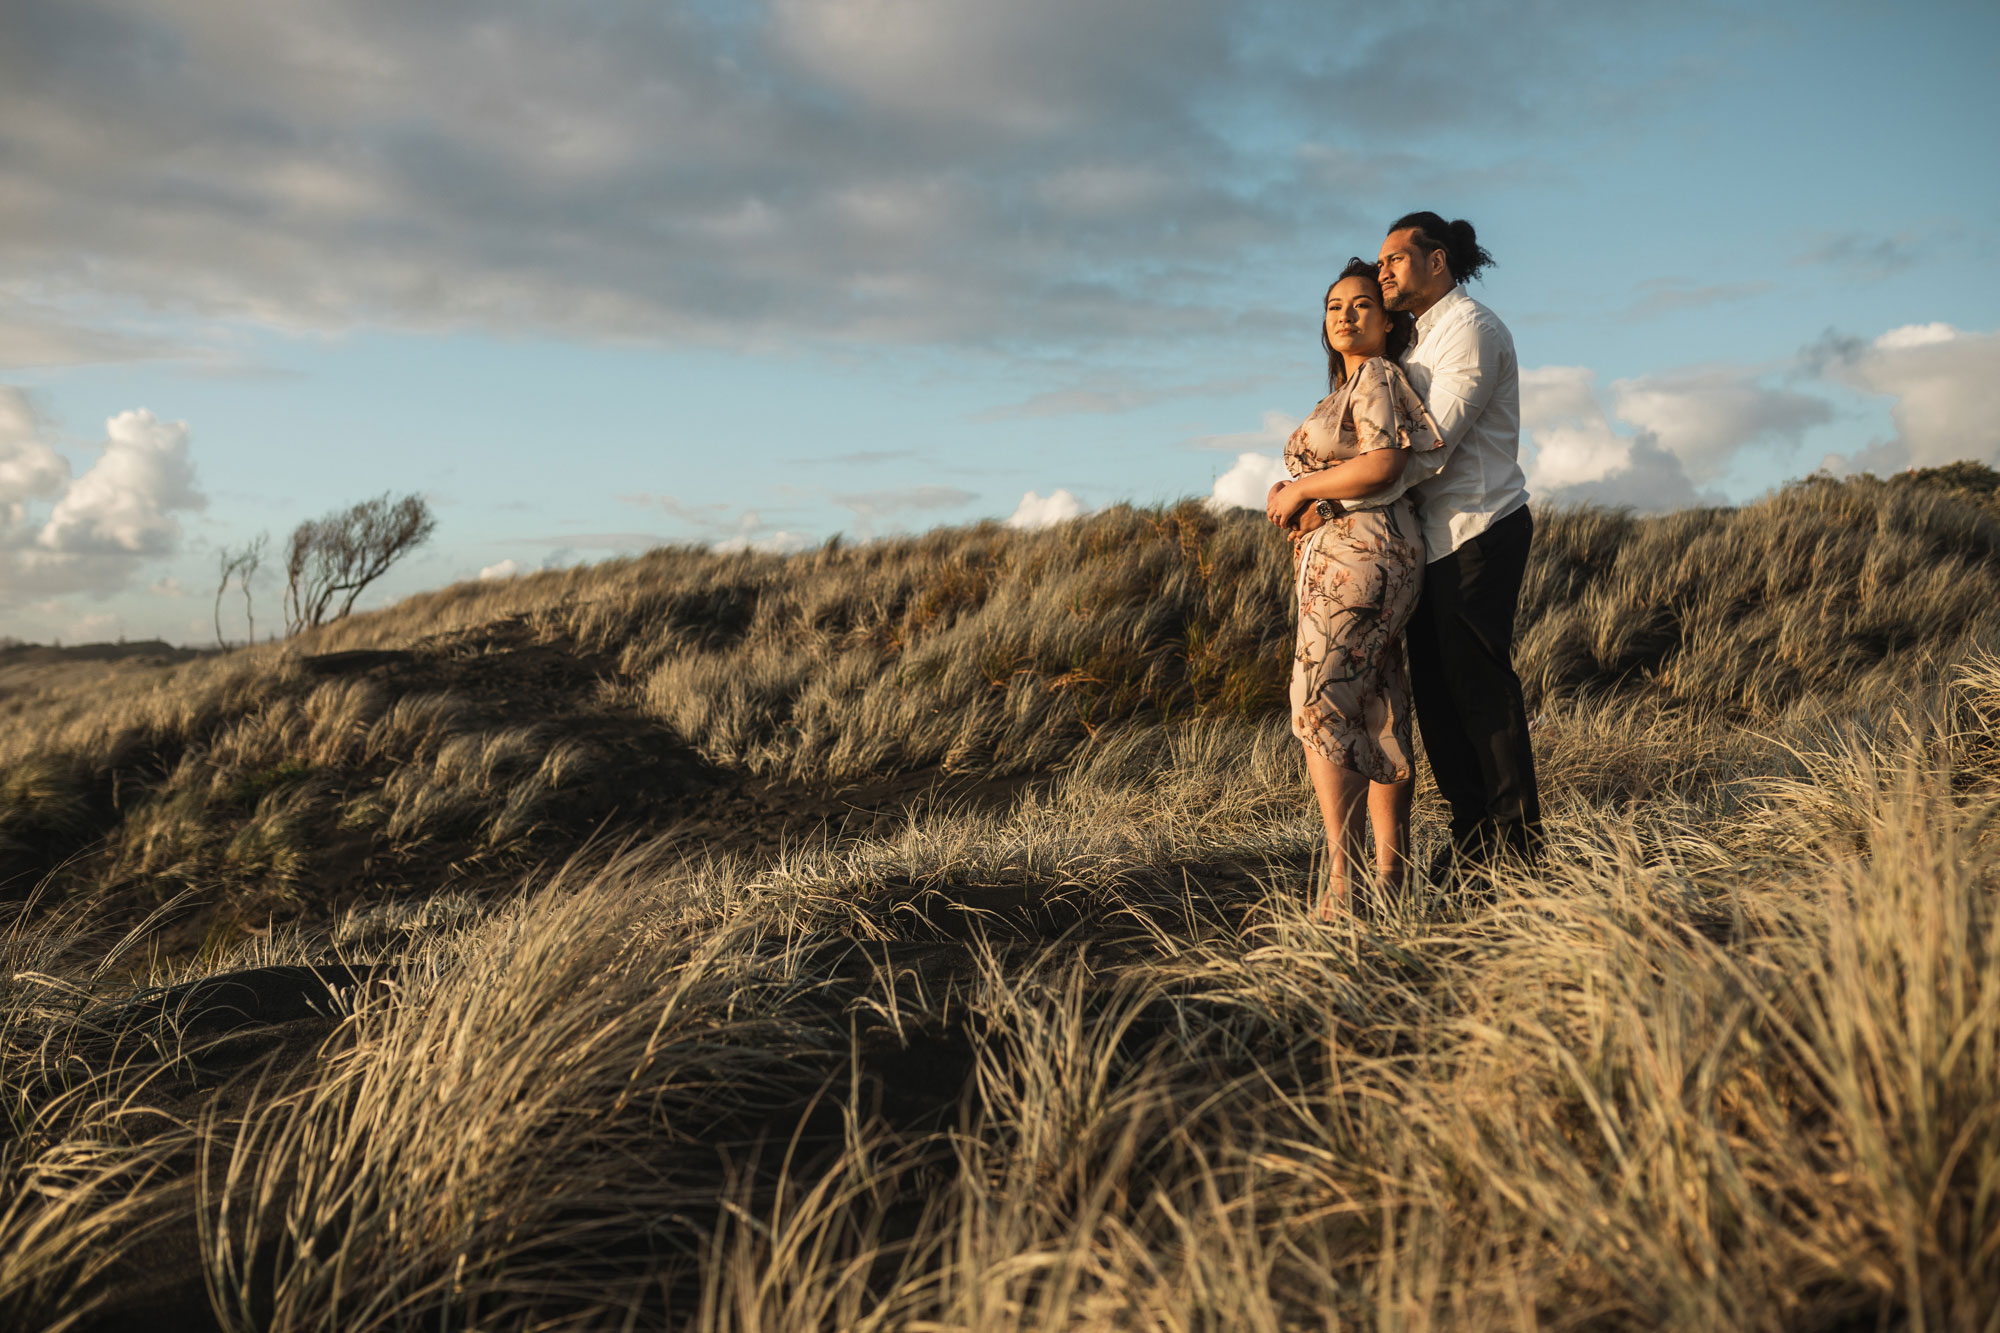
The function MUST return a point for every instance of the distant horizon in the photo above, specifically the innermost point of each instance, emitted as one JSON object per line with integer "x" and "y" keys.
{"x": 208, "y": 647}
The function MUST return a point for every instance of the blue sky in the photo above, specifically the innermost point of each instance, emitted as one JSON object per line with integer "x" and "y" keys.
{"x": 599, "y": 276}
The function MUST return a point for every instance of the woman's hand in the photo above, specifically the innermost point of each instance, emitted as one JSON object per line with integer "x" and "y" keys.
{"x": 1282, "y": 503}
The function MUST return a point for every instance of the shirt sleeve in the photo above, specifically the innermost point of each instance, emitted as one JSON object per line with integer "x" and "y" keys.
{"x": 1468, "y": 367}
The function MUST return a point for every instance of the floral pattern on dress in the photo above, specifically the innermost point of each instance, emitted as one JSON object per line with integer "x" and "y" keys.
{"x": 1357, "y": 579}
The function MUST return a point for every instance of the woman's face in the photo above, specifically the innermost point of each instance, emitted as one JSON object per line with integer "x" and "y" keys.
{"x": 1356, "y": 323}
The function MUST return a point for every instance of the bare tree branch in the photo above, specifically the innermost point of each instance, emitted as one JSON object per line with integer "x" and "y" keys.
{"x": 242, "y": 566}
{"x": 334, "y": 558}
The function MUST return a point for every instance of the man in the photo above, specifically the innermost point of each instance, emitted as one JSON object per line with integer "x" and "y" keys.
{"x": 1477, "y": 529}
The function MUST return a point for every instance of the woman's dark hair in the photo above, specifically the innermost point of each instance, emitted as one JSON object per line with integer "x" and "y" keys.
{"x": 1463, "y": 254}
{"x": 1402, "y": 325}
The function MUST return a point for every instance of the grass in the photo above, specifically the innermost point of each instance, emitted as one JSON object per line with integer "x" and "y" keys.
{"x": 1063, "y": 1054}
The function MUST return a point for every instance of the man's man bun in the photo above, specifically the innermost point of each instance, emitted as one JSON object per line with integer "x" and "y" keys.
{"x": 1463, "y": 254}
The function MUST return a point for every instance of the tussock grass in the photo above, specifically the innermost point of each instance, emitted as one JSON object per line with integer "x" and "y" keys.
{"x": 1081, "y": 1058}
{"x": 508, "y": 718}
{"x": 1730, "y": 1060}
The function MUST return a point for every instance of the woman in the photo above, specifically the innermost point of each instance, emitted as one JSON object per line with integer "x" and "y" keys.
{"x": 1358, "y": 575}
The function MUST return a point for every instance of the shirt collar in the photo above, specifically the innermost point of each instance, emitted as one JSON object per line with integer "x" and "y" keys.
{"x": 1427, "y": 320}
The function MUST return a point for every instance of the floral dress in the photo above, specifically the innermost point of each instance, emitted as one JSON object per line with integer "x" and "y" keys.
{"x": 1358, "y": 576}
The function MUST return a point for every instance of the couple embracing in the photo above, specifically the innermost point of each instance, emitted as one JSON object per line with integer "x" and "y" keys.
{"x": 1407, "y": 511}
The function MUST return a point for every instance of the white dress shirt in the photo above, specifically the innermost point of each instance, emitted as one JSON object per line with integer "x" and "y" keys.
{"x": 1462, "y": 363}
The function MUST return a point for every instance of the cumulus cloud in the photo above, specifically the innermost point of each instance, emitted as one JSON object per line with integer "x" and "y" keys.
{"x": 1248, "y": 482}
{"x": 1575, "y": 453}
{"x": 126, "y": 504}
{"x": 1946, "y": 387}
{"x": 1665, "y": 442}
{"x": 29, "y": 468}
{"x": 506, "y": 569}
{"x": 1706, "y": 416}
{"x": 100, "y": 526}
{"x": 1573, "y": 441}
{"x": 1916, "y": 335}
{"x": 1039, "y": 511}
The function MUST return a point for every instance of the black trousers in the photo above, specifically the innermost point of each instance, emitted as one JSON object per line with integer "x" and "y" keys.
{"x": 1469, "y": 705}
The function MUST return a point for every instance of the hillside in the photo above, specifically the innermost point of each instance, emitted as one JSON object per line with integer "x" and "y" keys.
{"x": 733, "y": 701}
{"x": 909, "y": 935}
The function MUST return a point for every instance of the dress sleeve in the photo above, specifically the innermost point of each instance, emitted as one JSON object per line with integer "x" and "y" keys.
{"x": 1389, "y": 414}
{"x": 1371, "y": 408}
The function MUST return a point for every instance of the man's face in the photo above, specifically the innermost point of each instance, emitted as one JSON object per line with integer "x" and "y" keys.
{"x": 1412, "y": 279}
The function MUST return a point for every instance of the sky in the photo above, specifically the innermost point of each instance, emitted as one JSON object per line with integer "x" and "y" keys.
{"x": 598, "y": 276}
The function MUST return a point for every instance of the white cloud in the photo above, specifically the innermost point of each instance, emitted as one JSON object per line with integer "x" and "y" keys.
{"x": 1573, "y": 442}
{"x": 1574, "y": 453}
{"x": 1946, "y": 387}
{"x": 1038, "y": 511}
{"x": 506, "y": 569}
{"x": 1915, "y": 335}
{"x": 126, "y": 503}
{"x": 101, "y": 526}
{"x": 781, "y": 542}
{"x": 1708, "y": 415}
{"x": 1248, "y": 482}
{"x": 750, "y": 536}
{"x": 29, "y": 468}
{"x": 1667, "y": 440}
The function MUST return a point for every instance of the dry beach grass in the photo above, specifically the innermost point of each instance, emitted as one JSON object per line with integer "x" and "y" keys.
{"x": 907, "y": 936}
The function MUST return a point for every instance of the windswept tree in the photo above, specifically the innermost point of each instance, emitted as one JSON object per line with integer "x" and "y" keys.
{"x": 332, "y": 559}
{"x": 241, "y": 565}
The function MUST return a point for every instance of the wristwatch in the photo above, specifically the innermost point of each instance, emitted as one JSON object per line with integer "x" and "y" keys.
{"x": 1329, "y": 509}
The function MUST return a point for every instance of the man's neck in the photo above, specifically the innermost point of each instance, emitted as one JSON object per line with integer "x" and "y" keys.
{"x": 1419, "y": 312}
